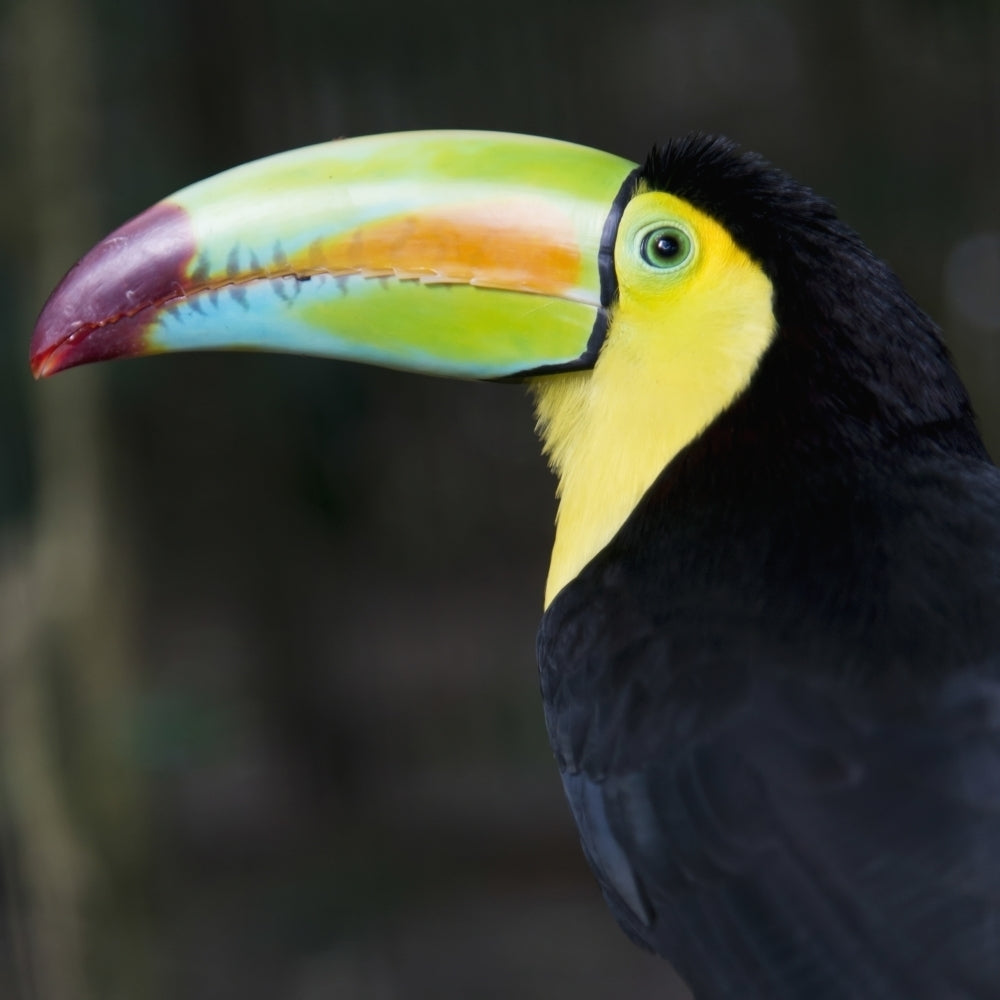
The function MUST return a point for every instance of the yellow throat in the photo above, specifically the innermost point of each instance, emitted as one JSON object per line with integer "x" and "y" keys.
{"x": 683, "y": 342}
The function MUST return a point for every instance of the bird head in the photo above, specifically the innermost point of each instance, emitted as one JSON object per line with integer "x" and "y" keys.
{"x": 637, "y": 302}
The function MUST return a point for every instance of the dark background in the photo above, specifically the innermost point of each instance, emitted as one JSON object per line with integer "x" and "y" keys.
{"x": 269, "y": 721}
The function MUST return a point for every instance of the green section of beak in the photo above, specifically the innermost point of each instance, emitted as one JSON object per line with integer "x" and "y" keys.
{"x": 458, "y": 253}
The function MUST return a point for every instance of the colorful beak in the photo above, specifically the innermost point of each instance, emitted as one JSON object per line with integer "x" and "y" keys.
{"x": 470, "y": 254}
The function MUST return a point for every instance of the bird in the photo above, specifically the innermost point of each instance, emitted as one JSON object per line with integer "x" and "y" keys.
{"x": 770, "y": 649}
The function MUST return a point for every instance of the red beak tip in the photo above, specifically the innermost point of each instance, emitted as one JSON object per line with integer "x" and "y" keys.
{"x": 40, "y": 366}
{"x": 92, "y": 315}
{"x": 44, "y": 362}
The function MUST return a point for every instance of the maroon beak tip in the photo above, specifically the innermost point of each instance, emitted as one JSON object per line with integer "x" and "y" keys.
{"x": 107, "y": 301}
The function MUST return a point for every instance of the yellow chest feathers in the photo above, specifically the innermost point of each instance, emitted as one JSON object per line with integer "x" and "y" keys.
{"x": 685, "y": 337}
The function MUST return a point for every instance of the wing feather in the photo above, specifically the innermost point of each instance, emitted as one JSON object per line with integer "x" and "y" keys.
{"x": 780, "y": 836}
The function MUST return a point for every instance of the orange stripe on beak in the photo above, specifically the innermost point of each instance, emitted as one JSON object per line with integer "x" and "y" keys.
{"x": 519, "y": 244}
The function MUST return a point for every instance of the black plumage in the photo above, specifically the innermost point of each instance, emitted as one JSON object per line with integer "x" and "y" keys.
{"x": 775, "y": 696}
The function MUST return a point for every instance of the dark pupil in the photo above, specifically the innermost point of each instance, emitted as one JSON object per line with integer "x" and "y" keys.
{"x": 667, "y": 246}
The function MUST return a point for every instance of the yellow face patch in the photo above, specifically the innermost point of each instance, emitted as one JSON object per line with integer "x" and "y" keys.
{"x": 693, "y": 319}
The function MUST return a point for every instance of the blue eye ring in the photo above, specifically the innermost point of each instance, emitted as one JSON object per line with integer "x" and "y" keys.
{"x": 666, "y": 247}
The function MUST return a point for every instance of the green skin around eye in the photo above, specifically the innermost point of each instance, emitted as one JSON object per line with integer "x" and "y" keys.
{"x": 666, "y": 247}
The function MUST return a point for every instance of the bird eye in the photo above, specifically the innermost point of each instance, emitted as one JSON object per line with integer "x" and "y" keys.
{"x": 665, "y": 247}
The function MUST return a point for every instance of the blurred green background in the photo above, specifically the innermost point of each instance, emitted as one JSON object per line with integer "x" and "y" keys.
{"x": 269, "y": 721}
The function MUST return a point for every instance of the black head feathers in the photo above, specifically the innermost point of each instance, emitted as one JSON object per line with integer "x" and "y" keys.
{"x": 849, "y": 337}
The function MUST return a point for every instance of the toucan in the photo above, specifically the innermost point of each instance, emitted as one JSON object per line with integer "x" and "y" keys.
{"x": 770, "y": 651}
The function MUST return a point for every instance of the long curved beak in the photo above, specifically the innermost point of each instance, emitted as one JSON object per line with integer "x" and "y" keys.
{"x": 470, "y": 254}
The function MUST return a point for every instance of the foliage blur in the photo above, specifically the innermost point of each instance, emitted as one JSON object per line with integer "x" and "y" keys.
{"x": 269, "y": 725}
